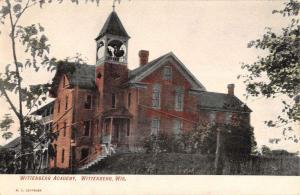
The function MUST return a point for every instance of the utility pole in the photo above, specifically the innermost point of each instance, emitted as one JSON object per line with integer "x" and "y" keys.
{"x": 219, "y": 153}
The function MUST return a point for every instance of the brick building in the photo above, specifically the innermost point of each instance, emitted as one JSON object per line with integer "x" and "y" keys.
{"x": 106, "y": 103}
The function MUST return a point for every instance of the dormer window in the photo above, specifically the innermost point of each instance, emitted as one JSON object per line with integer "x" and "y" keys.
{"x": 88, "y": 102}
{"x": 167, "y": 73}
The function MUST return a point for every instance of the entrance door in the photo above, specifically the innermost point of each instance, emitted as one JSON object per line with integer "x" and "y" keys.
{"x": 84, "y": 153}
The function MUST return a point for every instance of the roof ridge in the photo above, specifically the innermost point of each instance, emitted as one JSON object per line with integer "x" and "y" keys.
{"x": 152, "y": 61}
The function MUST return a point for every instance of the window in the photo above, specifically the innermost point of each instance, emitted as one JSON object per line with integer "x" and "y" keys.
{"x": 177, "y": 129}
{"x": 65, "y": 128}
{"x": 58, "y": 106}
{"x": 107, "y": 126}
{"x": 129, "y": 100}
{"x": 167, "y": 73}
{"x": 55, "y": 155}
{"x": 156, "y": 96}
{"x": 51, "y": 110}
{"x": 212, "y": 117}
{"x": 57, "y": 128}
{"x": 64, "y": 81}
{"x": 66, "y": 105}
{"x": 128, "y": 127}
{"x": 97, "y": 126}
{"x": 73, "y": 133}
{"x": 179, "y": 95}
{"x": 44, "y": 113}
{"x": 113, "y": 100}
{"x": 86, "y": 126}
{"x": 88, "y": 102}
{"x": 99, "y": 75}
{"x": 50, "y": 127}
{"x": 228, "y": 117}
{"x": 155, "y": 126}
{"x": 62, "y": 156}
{"x": 98, "y": 102}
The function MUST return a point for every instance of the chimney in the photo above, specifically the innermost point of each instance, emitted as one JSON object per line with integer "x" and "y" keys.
{"x": 230, "y": 89}
{"x": 144, "y": 56}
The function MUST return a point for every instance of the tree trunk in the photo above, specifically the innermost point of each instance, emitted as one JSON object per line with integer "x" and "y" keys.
{"x": 23, "y": 159}
{"x": 19, "y": 86}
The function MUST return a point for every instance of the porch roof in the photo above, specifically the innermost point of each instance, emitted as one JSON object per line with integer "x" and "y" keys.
{"x": 121, "y": 112}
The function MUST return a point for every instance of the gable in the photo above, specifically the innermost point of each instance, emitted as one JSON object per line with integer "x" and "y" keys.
{"x": 174, "y": 76}
{"x": 81, "y": 75}
{"x": 139, "y": 74}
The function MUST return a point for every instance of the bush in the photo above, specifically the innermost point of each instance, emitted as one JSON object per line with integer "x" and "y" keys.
{"x": 238, "y": 141}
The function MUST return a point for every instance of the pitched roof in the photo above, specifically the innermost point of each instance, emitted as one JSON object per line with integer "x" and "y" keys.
{"x": 14, "y": 144}
{"x": 141, "y": 72}
{"x": 221, "y": 101}
{"x": 113, "y": 26}
{"x": 41, "y": 110}
{"x": 81, "y": 75}
{"x": 135, "y": 72}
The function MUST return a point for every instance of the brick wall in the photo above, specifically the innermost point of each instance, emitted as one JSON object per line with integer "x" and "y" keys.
{"x": 62, "y": 116}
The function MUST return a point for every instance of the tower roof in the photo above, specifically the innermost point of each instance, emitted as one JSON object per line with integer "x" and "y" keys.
{"x": 113, "y": 26}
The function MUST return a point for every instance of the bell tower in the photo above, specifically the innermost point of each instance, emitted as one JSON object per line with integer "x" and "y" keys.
{"x": 111, "y": 62}
{"x": 112, "y": 42}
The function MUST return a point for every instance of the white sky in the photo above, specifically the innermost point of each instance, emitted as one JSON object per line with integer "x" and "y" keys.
{"x": 209, "y": 37}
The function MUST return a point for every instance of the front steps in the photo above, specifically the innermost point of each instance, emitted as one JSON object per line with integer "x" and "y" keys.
{"x": 108, "y": 151}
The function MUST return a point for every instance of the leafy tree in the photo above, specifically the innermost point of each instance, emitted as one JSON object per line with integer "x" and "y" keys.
{"x": 265, "y": 150}
{"x": 36, "y": 48}
{"x": 5, "y": 125}
{"x": 7, "y": 161}
{"x": 277, "y": 73}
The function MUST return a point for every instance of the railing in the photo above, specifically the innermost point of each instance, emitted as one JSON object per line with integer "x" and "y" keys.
{"x": 89, "y": 158}
{"x": 116, "y": 59}
{"x": 104, "y": 151}
{"x": 47, "y": 119}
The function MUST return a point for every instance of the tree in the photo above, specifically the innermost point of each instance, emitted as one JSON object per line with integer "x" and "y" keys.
{"x": 265, "y": 150}
{"x": 34, "y": 42}
{"x": 277, "y": 73}
{"x": 36, "y": 46}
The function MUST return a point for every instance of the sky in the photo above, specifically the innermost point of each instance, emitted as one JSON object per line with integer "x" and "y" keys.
{"x": 209, "y": 37}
